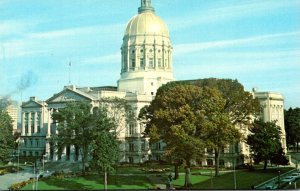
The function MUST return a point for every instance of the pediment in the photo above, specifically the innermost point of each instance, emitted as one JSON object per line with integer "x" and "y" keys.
{"x": 66, "y": 96}
{"x": 31, "y": 104}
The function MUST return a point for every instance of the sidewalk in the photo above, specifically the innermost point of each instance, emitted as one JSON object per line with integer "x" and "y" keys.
{"x": 8, "y": 179}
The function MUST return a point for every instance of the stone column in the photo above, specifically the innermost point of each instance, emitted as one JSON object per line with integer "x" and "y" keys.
{"x": 41, "y": 122}
{"x": 72, "y": 153}
{"x": 47, "y": 150}
{"x": 29, "y": 124}
{"x": 35, "y": 122}
{"x": 63, "y": 154}
{"x": 23, "y": 124}
{"x": 48, "y": 134}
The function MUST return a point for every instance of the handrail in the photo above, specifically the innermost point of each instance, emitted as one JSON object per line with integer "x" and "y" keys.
{"x": 272, "y": 179}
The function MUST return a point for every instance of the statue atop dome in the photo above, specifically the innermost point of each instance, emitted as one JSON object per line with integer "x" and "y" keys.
{"x": 146, "y": 6}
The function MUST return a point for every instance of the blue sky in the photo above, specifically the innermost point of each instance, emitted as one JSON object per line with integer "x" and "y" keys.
{"x": 254, "y": 41}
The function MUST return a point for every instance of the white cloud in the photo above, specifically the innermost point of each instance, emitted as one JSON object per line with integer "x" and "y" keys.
{"x": 195, "y": 47}
{"x": 57, "y": 40}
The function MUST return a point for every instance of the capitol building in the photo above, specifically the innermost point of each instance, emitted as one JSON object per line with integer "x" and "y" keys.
{"x": 146, "y": 64}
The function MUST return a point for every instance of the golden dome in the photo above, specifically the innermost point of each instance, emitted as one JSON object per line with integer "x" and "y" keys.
{"x": 146, "y": 23}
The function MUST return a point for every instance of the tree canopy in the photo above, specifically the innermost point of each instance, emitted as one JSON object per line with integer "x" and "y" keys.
{"x": 6, "y": 132}
{"x": 94, "y": 132}
{"x": 292, "y": 126}
{"x": 206, "y": 110}
{"x": 264, "y": 141}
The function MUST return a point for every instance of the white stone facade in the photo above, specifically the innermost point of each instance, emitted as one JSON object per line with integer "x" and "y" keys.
{"x": 272, "y": 105}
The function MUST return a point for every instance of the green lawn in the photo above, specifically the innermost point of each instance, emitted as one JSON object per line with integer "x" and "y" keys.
{"x": 91, "y": 182}
{"x": 244, "y": 180}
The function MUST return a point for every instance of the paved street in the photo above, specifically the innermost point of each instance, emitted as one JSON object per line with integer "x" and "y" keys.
{"x": 8, "y": 179}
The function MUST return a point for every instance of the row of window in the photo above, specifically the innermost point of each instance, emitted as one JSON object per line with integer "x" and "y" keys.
{"x": 151, "y": 63}
{"x": 150, "y": 50}
{"x": 34, "y": 143}
{"x": 32, "y": 129}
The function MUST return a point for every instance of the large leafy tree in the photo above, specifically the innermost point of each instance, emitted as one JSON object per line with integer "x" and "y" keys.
{"x": 264, "y": 141}
{"x": 105, "y": 147}
{"x": 239, "y": 104}
{"x": 189, "y": 118}
{"x": 174, "y": 116}
{"x": 75, "y": 127}
{"x": 237, "y": 110}
{"x": 292, "y": 126}
{"x": 6, "y": 132}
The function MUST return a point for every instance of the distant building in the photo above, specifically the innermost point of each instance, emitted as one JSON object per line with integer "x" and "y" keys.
{"x": 12, "y": 110}
{"x": 145, "y": 66}
{"x": 272, "y": 105}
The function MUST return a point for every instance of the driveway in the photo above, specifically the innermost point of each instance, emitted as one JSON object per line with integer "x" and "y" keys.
{"x": 8, "y": 179}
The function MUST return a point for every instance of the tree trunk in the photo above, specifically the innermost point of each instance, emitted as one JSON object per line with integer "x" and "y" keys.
{"x": 105, "y": 179}
{"x": 84, "y": 159}
{"x": 187, "y": 183}
{"x": 217, "y": 159}
{"x": 297, "y": 146}
{"x": 176, "y": 172}
{"x": 265, "y": 164}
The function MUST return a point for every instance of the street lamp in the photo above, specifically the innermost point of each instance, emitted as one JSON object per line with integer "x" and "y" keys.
{"x": 19, "y": 141}
{"x": 278, "y": 178}
{"x": 44, "y": 161}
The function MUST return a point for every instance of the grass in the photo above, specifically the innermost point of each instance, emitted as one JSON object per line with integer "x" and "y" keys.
{"x": 141, "y": 180}
{"x": 92, "y": 182}
{"x": 244, "y": 179}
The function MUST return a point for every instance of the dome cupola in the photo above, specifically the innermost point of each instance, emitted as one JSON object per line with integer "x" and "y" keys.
{"x": 146, "y": 52}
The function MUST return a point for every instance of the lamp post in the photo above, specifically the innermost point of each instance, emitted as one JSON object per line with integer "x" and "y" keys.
{"x": 19, "y": 141}
{"x": 278, "y": 178}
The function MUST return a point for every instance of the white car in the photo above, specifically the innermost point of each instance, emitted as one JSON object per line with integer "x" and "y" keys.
{"x": 296, "y": 175}
{"x": 288, "y": 179}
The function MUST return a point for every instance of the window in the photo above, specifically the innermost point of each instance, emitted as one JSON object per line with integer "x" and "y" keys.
{"x": 209, "y": 162}
{"x": 130, "y": 159}
{"x": 131, "y": 129}
{"x": 221, "y": 162}
{"x": 37, "y": 142}
{"x": 143, "y": 147}
{"x": 132, "y": 63}
{"x": 151, "y": 63}
{"x": 210, "y": 151}
{"x": 159, "y": 63}
{"x": 158, "y": 146}
{"x": 142, "y": 64}
{"x": 131, "y": 147}
{"x": 157, "y": 157}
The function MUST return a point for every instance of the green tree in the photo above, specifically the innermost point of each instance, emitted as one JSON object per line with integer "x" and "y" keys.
{"x": 237, "y": 110}
{"x": 292, "y": 126}
{"x": 6, "y": 132}
{"x": 174, "y": 116}
{"x": 74, "y": 127}
{"x": 191, "y": 116}
{"x": 264, "y": 141}
{"x": 105, "y": 147}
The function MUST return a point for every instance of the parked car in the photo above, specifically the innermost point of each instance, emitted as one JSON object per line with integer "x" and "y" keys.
{"x": 271, "y": 187}
{"x": 296, "y": 175}
{"x": 288, "y": 179}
